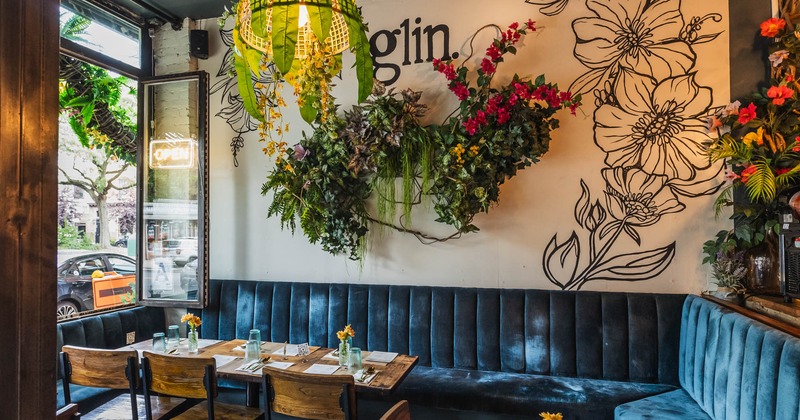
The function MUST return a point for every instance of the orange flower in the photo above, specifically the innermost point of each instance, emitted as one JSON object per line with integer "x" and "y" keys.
{"x": 193, "y": 320}
{"x": 779, "y": 94}
{"x": 772, "y": 26}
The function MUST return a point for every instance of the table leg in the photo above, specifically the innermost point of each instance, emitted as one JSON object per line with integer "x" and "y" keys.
{"x": 252, "y": 394}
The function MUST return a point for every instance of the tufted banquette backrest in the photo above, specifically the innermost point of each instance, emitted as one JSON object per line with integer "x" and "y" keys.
{"x": 738, "y": 368}
{"x": 109, "y": 330}
{"x": 617, "y": 336}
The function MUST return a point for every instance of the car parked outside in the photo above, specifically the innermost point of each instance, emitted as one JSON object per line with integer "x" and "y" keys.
{"x": 74, "y": 281}
{"x": 182, "y": 251}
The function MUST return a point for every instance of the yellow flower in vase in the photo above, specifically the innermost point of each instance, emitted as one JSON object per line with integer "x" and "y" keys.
{"x": 344, "y": 346}
{"x": 193, "y": 321}
{"x": 551, "y": 416}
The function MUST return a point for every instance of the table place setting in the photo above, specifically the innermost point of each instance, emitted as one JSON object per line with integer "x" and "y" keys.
{"x": 253, "y": 366}
{"x": 365, "y": 375}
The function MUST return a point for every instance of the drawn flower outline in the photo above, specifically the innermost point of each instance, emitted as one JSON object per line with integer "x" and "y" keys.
{"x": 638, "y": 198}
{"x": 639, "y": 35}
{"x": 658, "y": 127}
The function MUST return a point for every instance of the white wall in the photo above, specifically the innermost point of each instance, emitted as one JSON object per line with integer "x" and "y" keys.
{"x": 534, "y": 206}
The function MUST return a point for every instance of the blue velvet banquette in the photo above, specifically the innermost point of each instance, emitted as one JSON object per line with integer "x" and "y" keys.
{"x": 507, "y": 352}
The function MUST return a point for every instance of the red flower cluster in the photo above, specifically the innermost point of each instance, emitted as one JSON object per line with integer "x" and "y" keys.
{"x": 447, "y": 69}
{"x": 747, "y": 172}
{"x": 498, "y": 106}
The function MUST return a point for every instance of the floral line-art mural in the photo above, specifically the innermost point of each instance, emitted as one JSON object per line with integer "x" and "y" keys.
{"x": 650, "y": 121}
{"x": 234, "y": 112}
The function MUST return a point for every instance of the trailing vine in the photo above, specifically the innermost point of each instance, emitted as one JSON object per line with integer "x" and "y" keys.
{"x": 326, "y": 180}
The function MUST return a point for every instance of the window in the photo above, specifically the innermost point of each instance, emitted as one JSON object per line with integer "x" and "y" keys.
{"x": 97, "y": 221}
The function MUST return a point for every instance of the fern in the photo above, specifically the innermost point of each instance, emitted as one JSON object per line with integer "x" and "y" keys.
{"x": 724, "y": 199}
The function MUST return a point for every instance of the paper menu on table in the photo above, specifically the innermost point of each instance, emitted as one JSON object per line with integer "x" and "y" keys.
{"x": 321, "y": 369}
{"x": 291, "y": 350}
{"x": 280, "y": 365}
{"x": 380, "y": 357}
{"x": 223, "y": 360}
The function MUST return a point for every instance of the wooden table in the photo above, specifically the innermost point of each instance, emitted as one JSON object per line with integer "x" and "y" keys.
{"x": 388, "y": 378}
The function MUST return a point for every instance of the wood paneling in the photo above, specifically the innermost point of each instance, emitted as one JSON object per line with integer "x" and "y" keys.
{"x": 28, "y": 182}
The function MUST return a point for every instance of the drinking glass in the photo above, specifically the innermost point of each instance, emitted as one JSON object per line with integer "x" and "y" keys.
{"x": 173, "y": 337}
{"x": 159, "y": 343}
{"x": 252, "y": 349}
{"x": 354, "y": 360}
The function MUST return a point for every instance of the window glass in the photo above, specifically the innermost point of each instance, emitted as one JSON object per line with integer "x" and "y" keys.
{"x": 88, "y": 266}
{"x": 102, "y": 33}
{"x": 122, "y": 266}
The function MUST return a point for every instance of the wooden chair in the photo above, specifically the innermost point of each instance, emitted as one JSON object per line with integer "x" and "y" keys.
{"x": 399, "y": 411}
{"x": 317, "y": 397}
{"x": 68, "y": 412}
{"x": 100, "y": 368}
{"x": 193, "y": 378}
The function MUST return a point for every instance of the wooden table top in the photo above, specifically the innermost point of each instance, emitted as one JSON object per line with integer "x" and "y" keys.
{"x": 388, "y": 378}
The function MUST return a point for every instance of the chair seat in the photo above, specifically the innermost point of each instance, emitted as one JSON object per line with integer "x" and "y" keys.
{"x": 120, "y": 408}
{"x": 221, "y": 411}
{"x": 520, "y": 394}
{"x": 672, "y": 405}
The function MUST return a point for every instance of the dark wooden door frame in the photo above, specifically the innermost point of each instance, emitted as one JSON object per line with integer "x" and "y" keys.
{"x": 28, "y": 206}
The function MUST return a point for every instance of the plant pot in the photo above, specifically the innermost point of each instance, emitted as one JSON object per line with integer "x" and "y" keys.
{"x": 763, "y": 267}
{"x": 725, "y": 293}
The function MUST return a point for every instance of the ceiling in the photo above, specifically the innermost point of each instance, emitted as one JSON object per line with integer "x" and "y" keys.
{"x": 180, "y": 9}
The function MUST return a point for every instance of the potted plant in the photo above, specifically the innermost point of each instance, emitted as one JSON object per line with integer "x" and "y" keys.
{"x": 728, "y": 266}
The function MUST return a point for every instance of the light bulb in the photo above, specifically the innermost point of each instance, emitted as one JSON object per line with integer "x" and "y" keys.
{"x": 303, "y": 18}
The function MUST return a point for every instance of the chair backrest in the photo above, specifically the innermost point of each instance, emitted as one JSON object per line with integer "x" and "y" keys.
{"x": 310, "y": 396}
{"x": 178, "y": 376}
{"x": 115, "y": 369}
{"x": 399, "y": 411}
{"x": 68, "y": 412}
{"x": 101, "y": 368}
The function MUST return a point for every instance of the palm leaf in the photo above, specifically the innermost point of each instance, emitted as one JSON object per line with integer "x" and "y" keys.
{"x": 761, "y": 184}
{"x": 246, "y": 90}
{"x": 728, "y": 147}
{"x": 724, "y": 199}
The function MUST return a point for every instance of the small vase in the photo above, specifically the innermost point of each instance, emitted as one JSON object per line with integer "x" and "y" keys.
{"x": 763, "y": 266}
{"x": 192, "y": 341}
{"x": 344, "y": 351}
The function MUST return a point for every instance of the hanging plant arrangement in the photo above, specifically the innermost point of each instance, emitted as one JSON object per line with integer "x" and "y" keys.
{"x": 326, "y": 179}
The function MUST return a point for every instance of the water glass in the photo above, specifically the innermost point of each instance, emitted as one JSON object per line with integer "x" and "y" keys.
{"x": 354, "y": 360}
{"x": 159, "y": 343}
{"x": 252, "y": 350}
{"x": 173, "y": 337}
